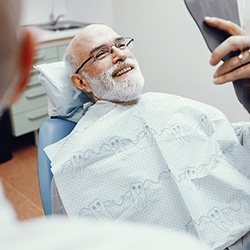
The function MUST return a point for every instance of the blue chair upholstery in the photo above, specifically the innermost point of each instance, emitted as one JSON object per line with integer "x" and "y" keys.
{"x": 51, "y": 130}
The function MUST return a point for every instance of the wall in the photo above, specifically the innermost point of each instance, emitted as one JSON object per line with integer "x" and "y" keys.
{"x": 37, "y": 11}
{"x": 172, "y": 53}
{"x": 93, "y": 11}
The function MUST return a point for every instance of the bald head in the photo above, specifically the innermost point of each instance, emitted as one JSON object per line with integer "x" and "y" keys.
{"x": 16, "y": 52}
{"x": 81, "y": 45}
{"x": 9, "y": 18}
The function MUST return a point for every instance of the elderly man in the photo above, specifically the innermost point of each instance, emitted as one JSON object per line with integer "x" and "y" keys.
{"x": 151, "y": 158}
{"x": 16, "y": 56}
{"x": 109, "y": 71}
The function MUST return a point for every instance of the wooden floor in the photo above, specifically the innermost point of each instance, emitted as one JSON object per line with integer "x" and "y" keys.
{"x": 19, "y": 178}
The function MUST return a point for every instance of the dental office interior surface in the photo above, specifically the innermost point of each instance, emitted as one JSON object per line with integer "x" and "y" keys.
{"x": 172, "y": 54}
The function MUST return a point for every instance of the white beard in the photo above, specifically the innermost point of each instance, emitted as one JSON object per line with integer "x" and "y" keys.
{"x": 126, "y": 89}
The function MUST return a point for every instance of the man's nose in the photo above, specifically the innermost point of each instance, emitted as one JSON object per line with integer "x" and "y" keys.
{"x": 117, "y": 54}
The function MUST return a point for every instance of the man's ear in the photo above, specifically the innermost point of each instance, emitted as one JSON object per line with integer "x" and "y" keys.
{"x": 80, "y": 83}
{"x": 24, "y": 62}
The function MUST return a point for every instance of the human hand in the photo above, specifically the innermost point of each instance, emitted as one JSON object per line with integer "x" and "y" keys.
{"x": 237, "y": 67}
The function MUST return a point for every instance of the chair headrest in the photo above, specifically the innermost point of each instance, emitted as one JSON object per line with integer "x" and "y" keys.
{"x": 64, "y": 100}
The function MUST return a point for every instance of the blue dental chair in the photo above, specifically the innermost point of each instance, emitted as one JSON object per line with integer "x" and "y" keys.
{"x": 64, "y": 101}
{"x": 51, "y": 130}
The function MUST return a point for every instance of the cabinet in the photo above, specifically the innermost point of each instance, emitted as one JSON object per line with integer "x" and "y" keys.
{"x": 31, "y": 109}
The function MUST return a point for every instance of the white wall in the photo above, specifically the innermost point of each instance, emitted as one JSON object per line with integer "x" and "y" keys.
{"x": 93, "y": 11}
{"x": 37, "y": 11}
{"x": 172, "y": 53}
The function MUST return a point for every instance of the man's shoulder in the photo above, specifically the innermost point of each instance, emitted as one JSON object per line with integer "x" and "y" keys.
{"x": 158, "y": 100}
{"x": 157, "y": 95}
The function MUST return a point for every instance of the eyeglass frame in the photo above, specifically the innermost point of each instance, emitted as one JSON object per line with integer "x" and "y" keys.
{"x": 110, "y": 51}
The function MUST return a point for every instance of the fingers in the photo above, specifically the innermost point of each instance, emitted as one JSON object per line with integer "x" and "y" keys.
{"x": 233, "y": 43}
{"x": 233, "y": 63}
{"x": 239, "y": 73}
{"x": 237, "y": 41}
{"x": 237, "y": 67}
{"x": 227, "y": 26}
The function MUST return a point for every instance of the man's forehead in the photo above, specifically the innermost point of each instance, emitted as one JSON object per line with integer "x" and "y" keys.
{"x": 97, "y": 34}
{"x": 89, "y": 38}
{"x": 94, "y": 29}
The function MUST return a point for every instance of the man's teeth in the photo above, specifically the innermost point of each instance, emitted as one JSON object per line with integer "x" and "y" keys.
{"x": 125, "y": 70}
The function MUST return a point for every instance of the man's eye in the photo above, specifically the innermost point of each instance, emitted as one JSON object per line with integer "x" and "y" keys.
{"x": 101, "y": 54}
{"x": 121, "y": 45}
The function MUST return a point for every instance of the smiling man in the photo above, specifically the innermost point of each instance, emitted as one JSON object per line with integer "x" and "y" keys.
{"x": 151, "y": 158}
{"x": 101, "y": 64}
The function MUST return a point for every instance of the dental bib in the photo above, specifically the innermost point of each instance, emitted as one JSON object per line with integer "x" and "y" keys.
{"x": 167, "y": 161}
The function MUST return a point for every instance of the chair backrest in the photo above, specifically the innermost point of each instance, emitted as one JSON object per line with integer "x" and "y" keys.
{"x": 51, "y": 130}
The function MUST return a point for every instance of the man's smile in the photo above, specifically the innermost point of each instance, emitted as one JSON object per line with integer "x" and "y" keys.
{"x": 122, "y": 71}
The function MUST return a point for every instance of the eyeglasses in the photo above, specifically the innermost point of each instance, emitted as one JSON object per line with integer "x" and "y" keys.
{"x": 103, "y": 51}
